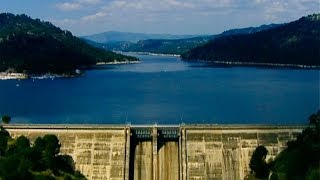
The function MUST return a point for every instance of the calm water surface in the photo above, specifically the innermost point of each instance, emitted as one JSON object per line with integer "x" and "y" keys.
{"x": 165, "y": 90}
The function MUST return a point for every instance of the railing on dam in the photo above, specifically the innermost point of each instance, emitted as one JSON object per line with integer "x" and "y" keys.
{"x": 163, "y": 152}
{"x": 141, "y": 133}
{"x": 169, "y": 133}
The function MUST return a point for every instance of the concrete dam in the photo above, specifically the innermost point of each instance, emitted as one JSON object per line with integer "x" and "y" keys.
{"x": 183, "y": 152}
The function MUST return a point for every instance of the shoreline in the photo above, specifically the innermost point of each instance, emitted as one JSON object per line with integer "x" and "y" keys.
{"x": 23, "y": 76}
{"x": 150, "y": 53}
{"x": 256, "y": 64}
{"x": 117, "y": 62}
{"x": 10, "y": 76}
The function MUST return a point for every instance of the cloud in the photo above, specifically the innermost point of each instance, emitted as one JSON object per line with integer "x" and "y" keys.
{"x": 76, "y": 4}
{"x": 89, "y": 1}
{"x": 277, "y": 7}
{"x": 150, "y": 5}
{"x": 64, "y": 22}
{"x": 68, "y": 6}
{"x": 180, "y": 4}
{"x": 285, "y": 10}
{"x": 181, "y": 15}
{"x": 94, "y": 16}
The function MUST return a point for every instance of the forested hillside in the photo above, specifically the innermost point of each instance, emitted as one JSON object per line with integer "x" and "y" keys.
{"x": 34, "y": 46}
{"x": 297, "y": 42}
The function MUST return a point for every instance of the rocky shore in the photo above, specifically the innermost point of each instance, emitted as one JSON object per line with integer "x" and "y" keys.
{"x": 267, "y": 64}
{"x": 7, "y": 76}
{"x": 19, "y": 76}
{"x": 118, "y": 62}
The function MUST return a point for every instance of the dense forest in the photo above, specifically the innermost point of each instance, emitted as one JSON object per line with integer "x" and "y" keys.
{"x": 20, "y": 159}
{"x": 299, "y": 160}
{"x": 297, "y": 42}
{"x": 34, "y": 46}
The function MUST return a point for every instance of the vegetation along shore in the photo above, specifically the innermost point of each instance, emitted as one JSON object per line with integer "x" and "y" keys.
{"x": 34, "y": 47}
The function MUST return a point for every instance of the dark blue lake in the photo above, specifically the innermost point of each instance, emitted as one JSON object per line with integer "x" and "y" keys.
{"x": 165, "y": 90}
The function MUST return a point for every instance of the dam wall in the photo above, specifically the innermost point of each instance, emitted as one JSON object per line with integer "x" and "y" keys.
{"x": 98, "y": 153}
{"x": 195, "y": 152}
{"x": 225, "y": 153}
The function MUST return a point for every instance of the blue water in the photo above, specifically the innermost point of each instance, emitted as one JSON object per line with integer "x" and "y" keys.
{"x": 165, "y": 90}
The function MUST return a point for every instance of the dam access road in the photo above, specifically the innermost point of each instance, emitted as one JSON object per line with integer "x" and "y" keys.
{"x": 163, "y": 152}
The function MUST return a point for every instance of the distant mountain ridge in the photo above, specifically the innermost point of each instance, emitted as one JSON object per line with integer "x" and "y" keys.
{"x": 248, "y": 30}
{"x": 297, "y": 42}
{"x": 159, "y": 46}
{"x": 117, "y": 36}
{"x": 180, "y": 46}
{"x": 34, "y": 46}
{"x": 172, "y": 46}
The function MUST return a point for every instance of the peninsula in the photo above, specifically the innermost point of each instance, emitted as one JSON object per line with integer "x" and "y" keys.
{"x": 34, "y": 47}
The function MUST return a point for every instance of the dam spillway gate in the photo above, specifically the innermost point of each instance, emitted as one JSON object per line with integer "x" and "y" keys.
{"x": 197, "y": 152}
{"x": 154, "y": 153}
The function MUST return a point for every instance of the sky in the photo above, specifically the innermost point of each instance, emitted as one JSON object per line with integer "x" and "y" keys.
{"x": 84, "y": 17}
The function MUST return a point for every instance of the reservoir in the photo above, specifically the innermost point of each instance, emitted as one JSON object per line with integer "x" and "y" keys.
{"x": 165, "y": 90}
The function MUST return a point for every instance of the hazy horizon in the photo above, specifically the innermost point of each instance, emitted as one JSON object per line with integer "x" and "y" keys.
{"x": 202, "y": 17}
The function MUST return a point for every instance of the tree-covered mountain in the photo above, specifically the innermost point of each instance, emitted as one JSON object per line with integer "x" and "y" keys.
{"x": 160, "y": 46}
{"x": 34, "y": 46}
{"x": 116, "y": 36}
{"x": 248, "y": 30}
{"x": 297, "y": 42}
{"x": 177, "y": 46}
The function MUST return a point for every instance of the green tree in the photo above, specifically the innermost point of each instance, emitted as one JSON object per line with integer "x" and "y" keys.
{"x": 258, "y": 163}
{"x": 50, "y": 151}
{"x": 21, "y": 160}
{"x": 6, "y": 119}
{"x": 4, "y": 136}
{"x": 299, "y": 160}
{"x": 314, "y": 120}
{"x": 15, "y": 164}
